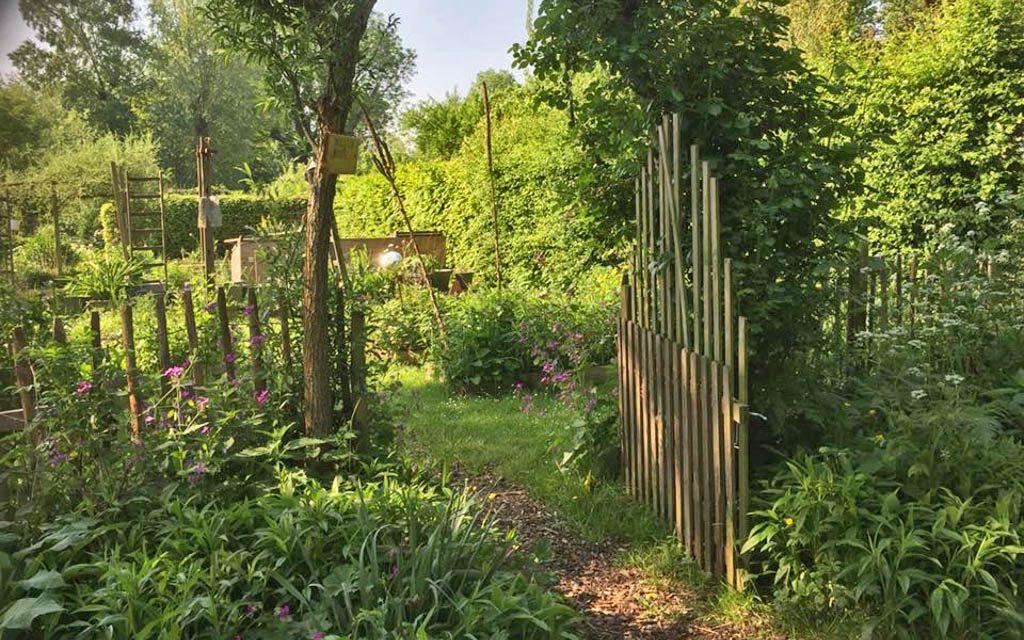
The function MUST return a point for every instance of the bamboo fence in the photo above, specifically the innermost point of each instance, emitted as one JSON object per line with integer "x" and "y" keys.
{"x": 683, "y": 361}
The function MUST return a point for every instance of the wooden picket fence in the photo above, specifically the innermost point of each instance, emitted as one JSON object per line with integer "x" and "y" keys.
{"x": 682, "y": 362}
{"x": 229, "y": 364}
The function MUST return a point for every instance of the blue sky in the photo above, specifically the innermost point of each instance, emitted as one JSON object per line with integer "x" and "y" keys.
{"x": 453, "y": 39}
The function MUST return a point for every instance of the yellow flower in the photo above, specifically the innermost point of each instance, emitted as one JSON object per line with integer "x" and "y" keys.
{"x": 879, "y": 438}
{"x": 492, "y": 496}
{"x": 788, "y": 521}
{"x": 873, "y": 413}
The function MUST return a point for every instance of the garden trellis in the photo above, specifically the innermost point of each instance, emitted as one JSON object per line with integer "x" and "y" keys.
{"x": 682, "y": 362}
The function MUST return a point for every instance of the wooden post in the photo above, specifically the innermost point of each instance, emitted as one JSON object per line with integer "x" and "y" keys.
{"x": 743, "y": 437}
{"x": 490, "y": 181}
{"x": 911, "y": 307}
{"x": 225, "y": 335}
{"x": 55, "y": 212}
{"x": 856, "y": 321}
{"x": 706, "y": 256}
{"x": 23, "y": 375}
{"x": 899, "y": 289}
{"x": 131, "y": 372}
{"x": 343, "y": 352}
{"x": 163, "y": 347}
{"x": 883, "y": 293}
{"x": 59, "y": 335}
{"x": 97, "y": 343}
{"x": 203, "y": 171}
{"x": 193, "y": 334}
{"x": 729, "y": 473}
{"x": 358, "y": 373}
{"x": 256, "y": 339}
{"x": 622, "y": 366}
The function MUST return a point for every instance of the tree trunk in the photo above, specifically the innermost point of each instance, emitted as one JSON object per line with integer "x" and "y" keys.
{"x": 332, "y": 113}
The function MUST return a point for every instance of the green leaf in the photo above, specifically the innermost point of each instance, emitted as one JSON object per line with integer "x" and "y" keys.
{"x": 43, "y": 580}
{"x": 22, "y": 612}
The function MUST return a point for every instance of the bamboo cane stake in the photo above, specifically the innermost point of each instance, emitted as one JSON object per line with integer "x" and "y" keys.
{"x": 695, "y": 202}
{"x": 385, "y": 164}
{"x": 490, "y": 181}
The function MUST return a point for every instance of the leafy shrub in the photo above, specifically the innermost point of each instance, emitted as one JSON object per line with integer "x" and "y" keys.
{"x": 916, "y": 521}
{"x": 492, "y": 335}
{"x": 107, "y": 276}
{"x": 405, "y": 322}
{"x": 371, "y": 560}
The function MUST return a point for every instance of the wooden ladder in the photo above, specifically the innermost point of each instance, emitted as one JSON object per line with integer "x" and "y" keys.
{"x": 143, "y": 226}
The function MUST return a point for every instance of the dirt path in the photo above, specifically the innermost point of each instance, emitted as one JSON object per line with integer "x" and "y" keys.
{"x": 616, "y": 603}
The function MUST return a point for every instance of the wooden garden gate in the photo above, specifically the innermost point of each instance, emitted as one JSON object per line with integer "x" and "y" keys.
{"x": 682, "y": 362}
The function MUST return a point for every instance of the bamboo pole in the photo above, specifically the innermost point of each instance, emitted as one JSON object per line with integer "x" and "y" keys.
{"x": 696, "y": 468}
{"x": 706, "y": 256}
{"x": 729, "y": 474}
{"x": 193, "y": 334}
{"x": 743, "y": 439}
{"x": 695, "y": 209}
{"x": 385, "y": 164}
{"x": 490, "y": 181}
{"x": 131, "y": 373}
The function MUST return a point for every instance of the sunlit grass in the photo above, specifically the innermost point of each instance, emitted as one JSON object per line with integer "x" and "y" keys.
{"x": 493, "y": 434}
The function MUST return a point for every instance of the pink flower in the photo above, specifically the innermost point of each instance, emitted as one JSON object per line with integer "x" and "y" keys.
{"x": 201, "y": 402}
{"x": 257, "y": 340}
{"x": 205, "y": 429}
{"x": 284, "y": 611}
{"x": 83, "y": 387}
{"x": 174, "y": 372}
{"x": 262, "y": 396}
{"x": 248, "y": 309}
{"x": 319, "y": 635}
{"x": 229, "y": 357}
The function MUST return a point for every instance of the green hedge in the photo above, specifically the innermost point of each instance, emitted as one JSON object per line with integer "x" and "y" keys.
{"x": 241, "y": 213}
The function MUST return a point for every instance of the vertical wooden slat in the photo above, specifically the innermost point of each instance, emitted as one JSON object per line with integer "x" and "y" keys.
{"x": 883, "y": 293}
{"x": 727, "y": 312}
{"x": 717, "y": 477}
{"x": 743, "y": 439}
{"x": 707, "y": 462}
{"x": 678, "y": 386}
{"x": 856, "y": 310}
{"x": 668, "y": 411}
{"x": 357, "y": 369}
{"x": 227, "y": 345}
{"x": 911, "y": 307}
{"x": 163, "y": 345}
{"x": 624, "y": 295}
{"x": 636, "y": 397}
{"x": 716, "y": 273}
{"x": 193, "y": 334}
{"x": 645, "y": 417}
{"x": 695, "y": 200}
{"x": 899, "y": 289}
{"x": 696, "y": 468}
{"x": 706, "y": 255}
{"x": 655, "y": 424}
{"x": 686, "y": 448}
{"x": 653, "y": 289}
{"x": 729, "y": 474}
{"x": 131, "y": 372}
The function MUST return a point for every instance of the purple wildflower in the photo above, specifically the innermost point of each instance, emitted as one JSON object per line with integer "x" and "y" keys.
{"x": 57, "y": 456}
{"x": 248, "y": 309}
{"x": 560, "y": 377}
{"x": 205, "y": 429}
{"x": 229, "y": 357}
{"x": 527, "y": 404}
{"x": 394, "y": 570}
{"x": 201, "y": 402}
{"x": 210, "y": 307}
{"x": 83, "y": 387}
{"x": 257, "y": 340}
{"x": 174, "y": 371}
{"x": 249, "y": 609}
{"x": 319, "y": 635}
{"x": 197, "y": 472}
{"x": 284, "y": 611}
{"x": 262, "y": 396}
{"x": 552, "y": 345}
{"x": 548, "y": 367}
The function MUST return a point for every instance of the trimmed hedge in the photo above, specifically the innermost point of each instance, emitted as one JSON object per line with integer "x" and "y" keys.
{"x": 241, "y": 213}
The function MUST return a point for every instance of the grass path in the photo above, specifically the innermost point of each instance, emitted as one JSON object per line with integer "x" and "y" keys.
{"x": 611, "y": 557}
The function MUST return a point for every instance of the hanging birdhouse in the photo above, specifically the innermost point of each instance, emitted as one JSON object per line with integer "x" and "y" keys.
{"x": 342, "y": 153}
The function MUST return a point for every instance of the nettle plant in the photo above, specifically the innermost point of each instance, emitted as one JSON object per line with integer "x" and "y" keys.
{"x": 917, "y": 523}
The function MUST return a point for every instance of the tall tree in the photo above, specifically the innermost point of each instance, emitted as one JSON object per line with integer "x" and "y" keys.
{"x": 92, "y": 50}
{"x": 196, "y": 91}
{"x": 310, "y": 48}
